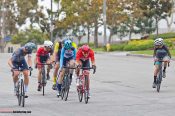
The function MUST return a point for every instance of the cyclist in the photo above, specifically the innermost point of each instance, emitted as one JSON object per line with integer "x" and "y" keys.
{"x": 68, "y": 54}
{"x": 43, "y": 56}
{"x": 83, "y": 55}
{"x": 161, "y": 51}
{"x": 18, "y": 61}
{"x": 56, "y": 55}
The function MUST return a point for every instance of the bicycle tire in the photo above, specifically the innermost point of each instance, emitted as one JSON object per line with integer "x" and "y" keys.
{"x": 19, "y": 93}
{"x": 62, "y": 93}
{"x": 43, "y": 80}
{"x": 158, "y": 87}
{"x": 86, "y": 90}
{"x": 80, "y": 94}
{"x": 67, "y": 87}
{"x": 159, "y": 79}
{"x": 22, "y": 93}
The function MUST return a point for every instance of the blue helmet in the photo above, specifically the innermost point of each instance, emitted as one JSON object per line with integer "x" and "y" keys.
{"x": 29, "y": 47}
{"x": 67, "y": 44}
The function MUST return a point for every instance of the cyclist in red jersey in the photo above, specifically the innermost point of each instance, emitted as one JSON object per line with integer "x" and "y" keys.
{"x": 83, "y": 55}
{"x": 43, "y": 56}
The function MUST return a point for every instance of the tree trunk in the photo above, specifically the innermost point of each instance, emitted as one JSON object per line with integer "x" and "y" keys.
{"x": 157, "y": 27}
{"x": 110, "y": 36}
{"x": 130, "y": 34}
{"x": 96, "y": 35}
{"x": 88, "y": 34}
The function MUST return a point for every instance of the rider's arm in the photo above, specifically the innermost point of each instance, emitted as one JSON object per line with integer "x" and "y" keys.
{"x": 10, "y": 63}
{"x": 61, "y": 57}
{"x": 78, "y": 55}
{"x": 168, "y": 51}
{"x": 154, "y": 53}
{"x": 29, "y": 60}
{"x": 92, "y": 57}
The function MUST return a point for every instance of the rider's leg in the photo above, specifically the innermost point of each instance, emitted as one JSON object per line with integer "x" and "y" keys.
{"x": 156, "y": 69}
{"x": 26, "y": 80}
{"x": 55, "y": 75}
{"x": 72, "y": 64}
{"x": 15, "y": 78}
{"x": 60, "y": 79}
{"x": 48, "y": 71}
{"x": 39, "y": 78}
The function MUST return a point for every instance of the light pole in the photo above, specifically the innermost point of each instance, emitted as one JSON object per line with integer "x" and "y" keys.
{"x": 104, "y": 21}
{"x": 51, "y": 25}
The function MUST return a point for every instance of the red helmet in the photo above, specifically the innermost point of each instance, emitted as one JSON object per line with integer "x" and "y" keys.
{"x": 85, "y": 49}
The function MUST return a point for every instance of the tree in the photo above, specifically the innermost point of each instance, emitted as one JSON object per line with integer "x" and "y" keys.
{"x": 29, "y": 35}
{"x": 158, "y": 9}
{"x": 15, "y": 13}
{"x": 81, "y": 13}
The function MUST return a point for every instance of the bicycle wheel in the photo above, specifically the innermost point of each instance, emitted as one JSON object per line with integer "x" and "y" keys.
{"x": 43, "y": 79}
{"x": 86, "y": 90}
{"x": 80, "y": 93}
{"x": 62, "y": 89}
{"x": 18, "y": 93}
{"x": 22, "y": 93}
{"x": 67, "y": 87}
{"x": 159, "y": 79}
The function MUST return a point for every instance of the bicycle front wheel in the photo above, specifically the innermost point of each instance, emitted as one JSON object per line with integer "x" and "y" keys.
{"x": 80, "y": 93}
{"x": 18, "y": 93}
{"x": 67, "y": 87}
{"x": 86, "y": 90}
{"x": 22, "y": 93}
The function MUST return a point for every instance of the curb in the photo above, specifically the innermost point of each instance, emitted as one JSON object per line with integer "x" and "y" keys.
{"x": 140, "y": 55}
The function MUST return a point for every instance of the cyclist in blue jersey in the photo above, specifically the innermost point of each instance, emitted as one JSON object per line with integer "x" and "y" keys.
{"x": 18, "y": 61}
{"x": 68, "y": 55}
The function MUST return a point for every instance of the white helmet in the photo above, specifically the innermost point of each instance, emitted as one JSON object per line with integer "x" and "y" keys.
{"x": 158, "y": 42}
{"x": 48, "y": 44}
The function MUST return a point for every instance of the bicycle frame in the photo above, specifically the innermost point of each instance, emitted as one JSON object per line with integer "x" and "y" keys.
{"x": 43, "y": 74}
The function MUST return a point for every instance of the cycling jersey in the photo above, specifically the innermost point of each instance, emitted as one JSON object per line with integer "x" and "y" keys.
{"x": 18, "y": 55}
{"x": 79, "y": 55}
{"x": 162, "y": 51}
{"x": 67, "y": 55}
{"x": 18, "y": 59}
{"x": 42, "y": 55}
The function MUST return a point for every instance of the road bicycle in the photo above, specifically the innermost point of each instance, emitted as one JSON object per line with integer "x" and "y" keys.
{"x": 20, "y": 92}
{"x": 83, "y": 84}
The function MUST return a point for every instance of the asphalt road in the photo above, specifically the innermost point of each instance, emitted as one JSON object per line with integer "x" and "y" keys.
{"x": 121, "y": 87}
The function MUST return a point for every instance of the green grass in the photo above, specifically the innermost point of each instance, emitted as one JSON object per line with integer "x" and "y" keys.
{"x": 150, "y": 52}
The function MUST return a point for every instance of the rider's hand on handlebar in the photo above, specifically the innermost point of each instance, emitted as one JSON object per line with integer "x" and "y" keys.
{"x": 78, "y": 66}
{"x": 94, "y": 67}
{"x": 30, "y": 68}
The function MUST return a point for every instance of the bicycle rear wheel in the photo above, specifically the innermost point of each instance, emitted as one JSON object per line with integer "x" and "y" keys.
{"x": 86, "y": 90}
{"x": 22, "y": 93}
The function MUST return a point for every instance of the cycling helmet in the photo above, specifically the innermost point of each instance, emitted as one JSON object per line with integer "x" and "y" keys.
{"x": 158, "y": 42}
{"x": 29, "y": 47}
{"x": 85, "y": 49}
{"x": 67, "y": 44}
{"x": 48, "y": 44}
